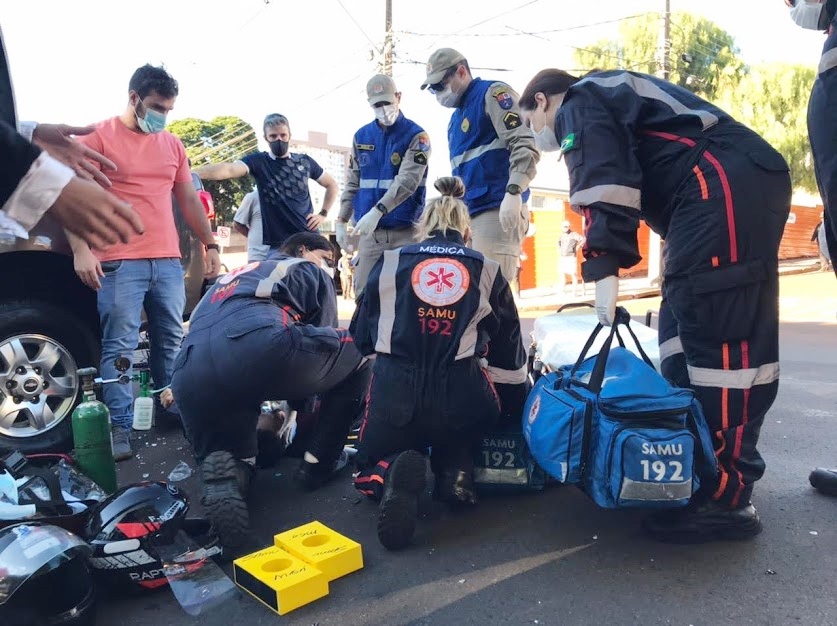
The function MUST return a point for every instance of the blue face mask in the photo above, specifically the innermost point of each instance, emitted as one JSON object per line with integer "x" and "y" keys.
{"x": 152, "y": 122}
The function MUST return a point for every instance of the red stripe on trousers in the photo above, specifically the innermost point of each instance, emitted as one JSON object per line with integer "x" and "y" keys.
{"x": 739, "y": 433}
{"x": 722, "y": 484}
{"x": 722, "y": 175}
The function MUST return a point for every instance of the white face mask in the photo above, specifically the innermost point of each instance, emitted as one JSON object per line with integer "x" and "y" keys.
{"x": 387, "y": 114}
{"x": 545, "y": 139}
{"x": 447, "y": 98}
{"x": 328, "y": 270}
{"x": 808, "y": 14}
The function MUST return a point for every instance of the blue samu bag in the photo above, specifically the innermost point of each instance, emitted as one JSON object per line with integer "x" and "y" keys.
{"x": 611, "y": 424}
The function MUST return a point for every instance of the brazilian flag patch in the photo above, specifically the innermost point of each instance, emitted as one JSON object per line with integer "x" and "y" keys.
{"x": 568, "y": 143}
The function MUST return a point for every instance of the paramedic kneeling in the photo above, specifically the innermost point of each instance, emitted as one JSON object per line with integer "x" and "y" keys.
{"x": 429, "y": 313}
{"x": 638, "y": 147}
{"x": 266, "y": 330}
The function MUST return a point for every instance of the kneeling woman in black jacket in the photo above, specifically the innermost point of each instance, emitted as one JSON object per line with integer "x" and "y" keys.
{"x": 429, "y": 313}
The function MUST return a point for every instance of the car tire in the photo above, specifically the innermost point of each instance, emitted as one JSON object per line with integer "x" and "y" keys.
{"x": 53, "y": 333}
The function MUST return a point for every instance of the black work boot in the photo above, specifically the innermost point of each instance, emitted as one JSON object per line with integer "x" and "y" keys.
{"x": 455, "y": 487}
{"x": 398, "y": 512}
{"x": 702, "y": 522}
{"x": 824, "y": 480}
{"x": 226, "y": 484}
{"x": 312, "y": 476}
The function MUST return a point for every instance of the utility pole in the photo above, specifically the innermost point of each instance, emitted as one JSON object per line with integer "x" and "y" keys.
{"x": 387, "y": 60}
{"x": 664, "y": 47}
{"x": 655, "y": 244}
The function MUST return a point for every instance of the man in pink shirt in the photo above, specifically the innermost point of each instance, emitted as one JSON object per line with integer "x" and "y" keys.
{"x": 146, "y": 272}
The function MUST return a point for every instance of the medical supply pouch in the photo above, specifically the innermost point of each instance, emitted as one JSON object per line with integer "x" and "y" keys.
{"x": 504, "y": 464}
{"x": 615, "y": 427}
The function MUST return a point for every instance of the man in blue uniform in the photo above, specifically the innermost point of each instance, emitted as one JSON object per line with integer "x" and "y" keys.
{"x": 386, "y": 185}
{"x": 638, "y": 147}
{"x": 491, "y": 150}
{"x": 282, "y": 181}
{"x": 822, "y": 133}
{"x": 266, "y": 330}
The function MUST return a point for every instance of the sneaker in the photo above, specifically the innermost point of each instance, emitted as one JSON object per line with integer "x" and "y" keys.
{"x": 226, "y": 483}
{"x": 708, "y": 521}
{"x": 398, "y": 512}
{"x": 121, "y": 440}
{"x": 824, "y": 481}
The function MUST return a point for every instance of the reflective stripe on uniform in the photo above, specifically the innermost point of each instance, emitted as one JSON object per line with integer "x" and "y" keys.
{"x": 670, "y": 347}
{"x": 468, "y": 341}
{"x": 374, "y": 183}
{"x": 647, "y": 89}
{"x": 386, "y": 298}
{"x": 614, "y": 194}
{"x": 734, "y": 379}
{"x": 827, "y": 61}
{"x": 507, "y": 377}
{"x": 266, "y": 285}
{"x": 473, "y": 153}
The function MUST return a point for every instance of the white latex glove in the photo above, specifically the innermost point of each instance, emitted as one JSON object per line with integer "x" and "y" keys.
{"x": 342, "y": 229}
{"x": 607, "y": 290}
{"x": 510, "y": 210}
{"x": 369, "y": 222}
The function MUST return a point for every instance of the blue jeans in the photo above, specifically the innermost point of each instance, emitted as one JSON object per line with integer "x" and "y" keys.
{"x": 127, "y": 287}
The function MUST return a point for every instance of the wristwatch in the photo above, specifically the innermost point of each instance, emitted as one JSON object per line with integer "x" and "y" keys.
{"x": 381, "y": 208}
{"x": 212, "y": 246}
{"x": 514, "y": 190}
{"x": 323, "y": 213}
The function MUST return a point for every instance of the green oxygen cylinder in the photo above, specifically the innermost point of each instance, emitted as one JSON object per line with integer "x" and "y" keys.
{"x": 93, "y": 449}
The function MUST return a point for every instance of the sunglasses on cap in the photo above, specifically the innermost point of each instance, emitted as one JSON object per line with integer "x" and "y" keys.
{"x": 440, "y": 86}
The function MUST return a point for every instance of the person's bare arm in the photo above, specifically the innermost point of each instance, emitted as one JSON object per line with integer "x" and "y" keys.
{"x": 223, "y": 171}
{"x": 85, "y": 263}
{"x": 241, "y": 228}
{"x": 326, "y": 180}
{"x": 193, "y": 213}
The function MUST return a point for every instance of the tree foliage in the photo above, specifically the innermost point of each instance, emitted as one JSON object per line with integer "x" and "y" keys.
{"x": 771, "y": 99}
{"x": 224, "y": 138}
{"x": 704, "y": 57}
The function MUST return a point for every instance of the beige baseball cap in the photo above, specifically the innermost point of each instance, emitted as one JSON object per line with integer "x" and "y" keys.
{"x": 380, "y": 88}
{"x": 440, "y": 62}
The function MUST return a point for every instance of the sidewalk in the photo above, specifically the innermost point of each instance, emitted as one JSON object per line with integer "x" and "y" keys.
{"x": 551, "y": 298}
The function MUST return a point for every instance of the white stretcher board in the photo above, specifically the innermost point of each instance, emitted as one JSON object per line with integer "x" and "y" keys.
{"x": 560, "y": 337}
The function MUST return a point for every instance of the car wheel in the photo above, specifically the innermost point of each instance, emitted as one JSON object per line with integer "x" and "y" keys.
{"x": 41, "y": 348}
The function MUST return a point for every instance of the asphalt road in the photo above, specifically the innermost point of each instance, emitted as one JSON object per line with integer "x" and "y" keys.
{"x": 553, "y": 557}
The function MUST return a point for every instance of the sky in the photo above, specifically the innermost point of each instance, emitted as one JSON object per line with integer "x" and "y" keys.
{"x": 71, "y": 59}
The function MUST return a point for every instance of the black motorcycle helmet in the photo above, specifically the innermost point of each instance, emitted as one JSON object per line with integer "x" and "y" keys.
{"x": 44, "y": 577}
{"x": 126, "y": 530}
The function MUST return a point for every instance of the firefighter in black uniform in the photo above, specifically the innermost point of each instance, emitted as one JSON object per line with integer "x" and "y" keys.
{"x": 822, "y": 133}
{"x": 640, "y": 147}
{"x": 266, "y": 330}
{"x": 429, "y": 313}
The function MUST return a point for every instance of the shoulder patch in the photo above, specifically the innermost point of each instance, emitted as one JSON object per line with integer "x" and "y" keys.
{"x": 568, "y": 143}
{"x": 424, "y": 142}
{"x": 420, "y": 158}
{"x": 365, "y": 146}
{"x": 503, "y": 98}
{"x": 511, "y": 121}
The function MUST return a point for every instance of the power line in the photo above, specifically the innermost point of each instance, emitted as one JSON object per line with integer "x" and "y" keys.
{"x": 539, "y": 32}
{"x": 359, "y": 27}
{"x": 480, "y": 23}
